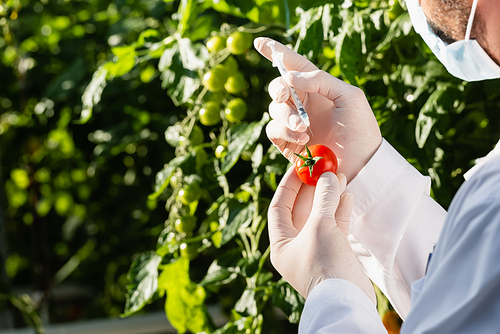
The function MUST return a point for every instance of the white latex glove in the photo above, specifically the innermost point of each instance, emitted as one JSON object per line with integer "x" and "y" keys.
{"x": 340, "y": 115}
{"x": 308, "y": 233}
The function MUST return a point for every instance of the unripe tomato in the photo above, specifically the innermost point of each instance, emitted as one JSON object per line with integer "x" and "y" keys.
{"x": 316, "y": 160}
{"x": 189, "y": 251}
{"x": 246, "y": 155}
{"x": 189, "y": 193}
{"x": 196, "y": 137}
{"x": 231, "y": 64}
{"x": 210, "y": 113}
{"x": 236, "y": 110}
{"x": 216, "y": 97}
{"x": 239, "y": 42}
{"x": 215, "y": 79}
{"x": 236, "y": 83}
{"x": 216, "y": 43}
{"x": 185, "y": 224}
{"x": 201, "y": 157}
{"x": 220, "y": 151}
{"x": 253, "y": 57}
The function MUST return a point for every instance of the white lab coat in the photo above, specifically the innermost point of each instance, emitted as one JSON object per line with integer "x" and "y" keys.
{"x": 393, "y": 229}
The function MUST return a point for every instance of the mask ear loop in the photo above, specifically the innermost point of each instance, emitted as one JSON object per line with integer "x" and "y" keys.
{"x": 471, "y": 19}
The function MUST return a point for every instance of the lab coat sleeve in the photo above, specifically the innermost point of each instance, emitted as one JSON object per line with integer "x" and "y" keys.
{"x": 394, "y": 224}
{"x": 339, "y": 306}
{"x": 461, "y": 291}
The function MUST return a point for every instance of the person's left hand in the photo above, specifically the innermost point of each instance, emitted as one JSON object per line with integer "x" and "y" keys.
{"x": 308, "y": 229}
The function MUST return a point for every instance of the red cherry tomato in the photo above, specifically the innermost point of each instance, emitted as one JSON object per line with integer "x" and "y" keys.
{"x": 316, "y": 160}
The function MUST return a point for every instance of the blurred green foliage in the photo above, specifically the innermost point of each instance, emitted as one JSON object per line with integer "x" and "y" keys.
{"x": 99, "y": 104}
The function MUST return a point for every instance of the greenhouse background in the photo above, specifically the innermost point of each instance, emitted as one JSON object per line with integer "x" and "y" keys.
{"x": 134, "y": 165}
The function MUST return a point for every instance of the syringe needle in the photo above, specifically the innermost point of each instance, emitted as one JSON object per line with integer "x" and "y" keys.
{"x": 278, "y": 62}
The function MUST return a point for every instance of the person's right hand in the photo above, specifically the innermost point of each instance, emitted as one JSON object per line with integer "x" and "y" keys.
{"x": 340, "y": 115}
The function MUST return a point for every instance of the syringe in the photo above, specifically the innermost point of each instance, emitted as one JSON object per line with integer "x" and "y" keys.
{"x": 278, "y": 62}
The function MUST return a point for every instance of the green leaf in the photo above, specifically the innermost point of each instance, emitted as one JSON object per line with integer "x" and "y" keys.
{"x": 173, "y": 133}
{"x": 242, "y": 137}
{"x": 163, "y": 177}
{"x": 247, "y": 303}
{"x": 349, "y": 48}
{"x": 57, "y": 88}
{"x": 399, "y": 28}
{"x": 288, "y": 300}
{"x": 231, "y": 7}
{"x": 178, "y": 65}
{"x": 187, "y": 13}
{"x": 145, "y": 35}
{"x": 142, "y": 275}
{"x": 168, "y": 56}
{"x": 239, "y": 216}
{"x": 436, "y": 105}
{"x": 219, "y": 274}
{"x": 310, "y": 30}
{"x": 125, "y": 61}
{"x": 92, "y": 94}
{"x": 184, "y": 306}
{"x": 193, "y": 55}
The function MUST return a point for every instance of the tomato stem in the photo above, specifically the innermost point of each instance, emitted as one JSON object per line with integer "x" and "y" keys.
{"x": 309, "y": 161}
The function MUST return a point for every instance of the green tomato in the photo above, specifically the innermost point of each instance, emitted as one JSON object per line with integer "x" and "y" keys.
{"x": 189, "y": 193}
{"x": 329, "y": 52}
{"x": 189, "y": 251}
{"x": 220, "y": 151}
{"x": 236, "y": 83}
{"x": 231, "y": 64}
{"x": 253, "y": 57}
{"x": 214, "y": 97}
{"x": 185, "y": 224}
{"x": 239, "y": 42}
{"x": 236, "y": 110}
{"x": 216, "y": 43}
{"x": 215, "y": 79}
{"x": 246, "y": 155}
{"x": 210, "y": 114}
{"x": 196, "y": 137}
{"x": 201, "y": 157}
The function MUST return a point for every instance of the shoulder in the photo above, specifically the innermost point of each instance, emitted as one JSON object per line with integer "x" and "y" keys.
{"x": 485, "y": 183}
{"x": 477, "y": 203}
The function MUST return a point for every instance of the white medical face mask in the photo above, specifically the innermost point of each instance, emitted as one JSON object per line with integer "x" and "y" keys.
{"x": 464, "y": 59}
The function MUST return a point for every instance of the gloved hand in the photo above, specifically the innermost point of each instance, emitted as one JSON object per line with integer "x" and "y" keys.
{"x": 308, "y": 233}
{"x": 340, "y": 115}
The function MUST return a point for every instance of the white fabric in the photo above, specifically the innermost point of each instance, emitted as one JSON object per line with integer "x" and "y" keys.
{"x": 339, "y": 306}
{"x": 394, "y": 224}
{"x": 461, "y": 292}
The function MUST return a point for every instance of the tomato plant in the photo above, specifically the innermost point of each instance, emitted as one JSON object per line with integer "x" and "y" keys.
{"x": 138, "y": 74}
{"x": 316, "y": 160}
